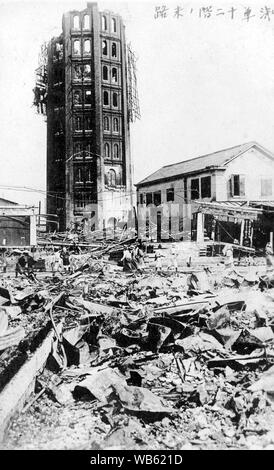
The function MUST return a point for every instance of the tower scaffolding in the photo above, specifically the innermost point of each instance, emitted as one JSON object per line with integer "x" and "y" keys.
{"x": 133, "y": 99}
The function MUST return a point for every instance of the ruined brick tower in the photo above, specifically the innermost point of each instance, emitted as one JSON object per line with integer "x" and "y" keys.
{"x": 89, "y": 174}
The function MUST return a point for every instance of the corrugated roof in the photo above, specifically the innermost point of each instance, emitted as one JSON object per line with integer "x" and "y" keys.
{"x": 215, "y": 159}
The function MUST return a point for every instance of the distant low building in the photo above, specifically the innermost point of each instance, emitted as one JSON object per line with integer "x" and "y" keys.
{"x": 17, "y": 225}
{"x": 235, "y": 178}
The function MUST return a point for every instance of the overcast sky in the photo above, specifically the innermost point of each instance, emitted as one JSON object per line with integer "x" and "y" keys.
{"x": 204, "y": 83}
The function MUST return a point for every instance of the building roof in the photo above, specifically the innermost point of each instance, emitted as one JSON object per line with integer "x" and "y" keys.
{"x": 211, "y": 160}
{"x": 7, "y": 202}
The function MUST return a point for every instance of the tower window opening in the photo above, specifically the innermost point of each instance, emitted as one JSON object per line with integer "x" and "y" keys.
{"x": 106, "y": 98}
{"x": 105, "y": 47}
{"x": 105, "y": 73}
{"x": 104, "y": 23}
{"x": 115, "y": 100}
{"x": 106, "y": 123}
{"x": 86, "y": 22}
{"x": 106, "y": 150}
{"x": 115, "y": 125}
{"x": 114, "y": 75}
{"x": 76, "y": 22}
{"x": 114, "y": 25}
{"x": 114, "y": 50}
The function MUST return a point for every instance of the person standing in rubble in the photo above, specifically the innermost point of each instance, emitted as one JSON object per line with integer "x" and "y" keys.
{"x": 127, "y": 260}
{"x": 20, "y": 265}
{"x": 228, "y": 253}
{"x": 269, "y": 257}
{"x": 158, "y": 261}
{"x": 56, "y": 262}
{"x": 66, "y": 259}
{"x": 173, "y": 259}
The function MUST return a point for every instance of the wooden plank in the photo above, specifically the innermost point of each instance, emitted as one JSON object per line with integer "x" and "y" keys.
{"x": 20, "y": 387}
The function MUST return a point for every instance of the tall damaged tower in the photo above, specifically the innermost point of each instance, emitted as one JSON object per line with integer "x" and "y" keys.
{"x": 91, "y": 99}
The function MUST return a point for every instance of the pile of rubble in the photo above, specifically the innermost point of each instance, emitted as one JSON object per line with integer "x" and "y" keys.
{"x": 153, "y": 359}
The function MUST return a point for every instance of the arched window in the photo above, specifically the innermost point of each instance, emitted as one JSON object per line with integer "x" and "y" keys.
{"x": 112, "y": 178}
{"x": 104, "y": 23}
{"x": 86, "y": 22}
{"x": 106, "y": 150}
{"x": 105, "y": 73}
{"x": 115, "y": 125}
{"x": 106, "y": 98}
{"x": 114, "y": 75}
{"x": 106, "y": 123}
{"x": 77, "y": 97}
{"x": 78, "y": 175}
{"x": 114, "y": 50}
{"x": 77, "y": 72}
{"x": 76, "y": 46}
{"x": 87, "y": 46}
{"x": 114, "y": 25}
{"x": 78, "y": 123}
{"x": 105, "y": 47}
{"x": 76, "y": 22}
{"x": 88, "y": 125}
{"x": 87, "y": 72}
{"x": 115, "y": 151}
{"x": 88, "y": 97}
{"x": 115, "y": 100}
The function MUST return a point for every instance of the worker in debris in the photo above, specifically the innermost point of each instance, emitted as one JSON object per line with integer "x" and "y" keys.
{"x": 269, "y": 257}
{"x": 127, "y": 260}
{"x": 137, "y": 257}
{"x": 228, "y": 253}
{"x": 56, "y": 262}
{"x": 20, "y": 265}
{"x": 64, "y": 255}
{"x": 158, "y": 261}
{"x": 173, "y": 258}
{"x": 30, "y": 263}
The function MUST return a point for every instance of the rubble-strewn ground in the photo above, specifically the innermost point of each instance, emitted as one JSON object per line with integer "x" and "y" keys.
{"x": 152, "y": 360}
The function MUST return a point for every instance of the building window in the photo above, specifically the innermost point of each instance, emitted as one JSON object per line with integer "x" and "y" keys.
{"x": 266, "y": 187}
{"x": 115, "y": 151}
{"x": 195, "y": 188}
{"x": 86, "y": 22}
{"x": 114, "y": 25}
{"x": 104, "y": 23}
{"x": 115, "y": 100}
{"x": 78, "y": 175}
{"x": 77, "y": 97}
{"x": 76, "y": 47}
{"x": 105, "y": 47}
{"x": 105, "y": 73}
{"x": 88, "y": 97}
{"x": 88, "y": 125}
{"x": 237, "y": 185}
{"x": 141, "y": 198}
{"x": 87, "y": 72}
{"x": 114, "y": 50}
{"x": 149, "y": 198}
{"x": 106, "y": 150}
{"x": 115, "y": 125}
{"x": 170, "y": 195}
{"x": 77, "y": 72}
{"x": 87, "y": 46}
{"x": 114, "y": 75}
{"x": 76, "y": 22}
{"x": 206, "y": 186}
{"x": 106, "y": 123}
{"x": 157, "y": 198}
{"x": 112, "y": 178}
{"x": 78, "y": 123}
{"x": 106, "y": 98}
